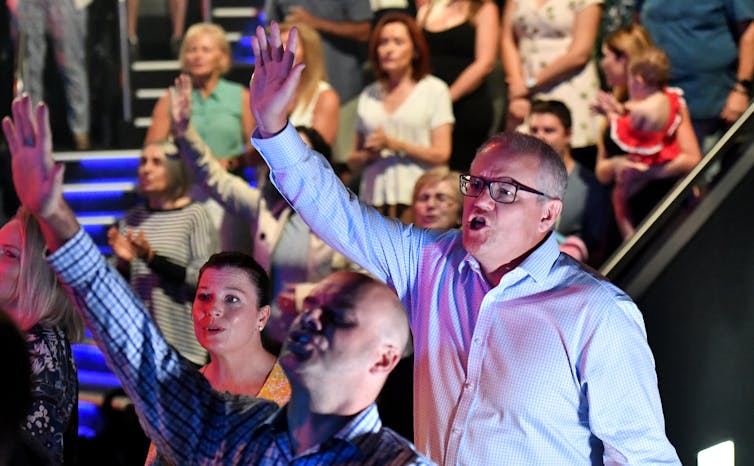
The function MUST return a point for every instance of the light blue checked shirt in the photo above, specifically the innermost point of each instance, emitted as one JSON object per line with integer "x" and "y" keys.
{"x": 549, "y": 367}
{"x": 187, "y": 420}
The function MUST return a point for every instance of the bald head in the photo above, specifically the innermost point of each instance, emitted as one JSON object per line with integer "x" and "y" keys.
{"x": 385, "y": 312}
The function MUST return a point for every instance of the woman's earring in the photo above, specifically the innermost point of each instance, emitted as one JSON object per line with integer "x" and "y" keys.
{"x": 260, "y": 328}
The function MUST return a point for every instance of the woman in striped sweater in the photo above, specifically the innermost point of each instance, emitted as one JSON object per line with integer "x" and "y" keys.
{"x": 160, "y": 246}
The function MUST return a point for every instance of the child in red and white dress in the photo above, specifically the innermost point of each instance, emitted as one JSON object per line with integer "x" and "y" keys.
{"x": 645, "y": 126}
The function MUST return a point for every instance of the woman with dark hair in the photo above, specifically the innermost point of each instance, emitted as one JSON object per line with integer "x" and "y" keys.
{"x": 34, "y": 299}
{"x": 405, "y": 118}
{"x": 230, "y": 311}
{"x": 160, "y": 246}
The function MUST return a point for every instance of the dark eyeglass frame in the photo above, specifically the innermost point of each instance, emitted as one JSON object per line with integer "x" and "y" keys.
{"x": 466, "y": 179}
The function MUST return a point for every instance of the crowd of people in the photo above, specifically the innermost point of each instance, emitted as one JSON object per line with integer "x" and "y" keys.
{"x": 387, "y": 225}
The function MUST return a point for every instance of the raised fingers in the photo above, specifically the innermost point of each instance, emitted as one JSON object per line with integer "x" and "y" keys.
{"x": 43, "y": 132}
{"x": 21, "y": 109}
{"x": 10, "y": 135}
{"x": 289, "y": 55}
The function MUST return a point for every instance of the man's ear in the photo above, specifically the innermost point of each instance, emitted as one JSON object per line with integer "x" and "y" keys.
{"x": 551, "y": 210}
{"x": 388, "y": 358}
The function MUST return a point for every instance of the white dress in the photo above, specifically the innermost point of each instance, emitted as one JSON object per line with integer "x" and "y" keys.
{"x": 544, "y": 33}
{"x": 390, "y": 179}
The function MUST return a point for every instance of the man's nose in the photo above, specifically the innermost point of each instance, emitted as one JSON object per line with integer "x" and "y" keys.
{"x": 311, "y": 319}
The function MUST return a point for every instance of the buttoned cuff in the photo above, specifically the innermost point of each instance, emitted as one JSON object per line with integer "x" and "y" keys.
{"x": 282, "y": 150}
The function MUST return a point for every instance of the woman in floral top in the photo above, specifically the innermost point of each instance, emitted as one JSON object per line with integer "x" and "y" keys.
{"x": 231, "y": 308}
{"x": 35, "y": 300}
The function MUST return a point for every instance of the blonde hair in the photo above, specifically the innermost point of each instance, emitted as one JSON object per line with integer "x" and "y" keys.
{"x": 314, "y": 58}
{"x": 41, "y": 297}
{"x": 437, "y": 175}
{"x": 431, "y": 177}
{"x": 627, "y": 42}
{"x": 218, "y": 35}
{"x": 652, "y": 65}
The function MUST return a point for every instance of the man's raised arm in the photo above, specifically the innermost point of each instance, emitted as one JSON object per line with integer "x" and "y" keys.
{"x": 37, "y": 178}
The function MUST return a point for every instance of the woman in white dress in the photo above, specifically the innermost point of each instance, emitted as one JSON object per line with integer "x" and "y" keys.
{"x": 547, "y": 51}
{"x": 405, "y": 118}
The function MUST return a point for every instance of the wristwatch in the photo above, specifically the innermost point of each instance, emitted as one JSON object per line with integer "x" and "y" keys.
{"x": 744, "y": 86}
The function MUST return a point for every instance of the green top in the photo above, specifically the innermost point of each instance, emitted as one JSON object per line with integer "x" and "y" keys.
{"x": 218, "y": 120}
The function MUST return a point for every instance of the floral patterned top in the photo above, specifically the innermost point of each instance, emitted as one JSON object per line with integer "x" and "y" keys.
{"x": 52, "y": 419}
{"x": 276, "y": 388}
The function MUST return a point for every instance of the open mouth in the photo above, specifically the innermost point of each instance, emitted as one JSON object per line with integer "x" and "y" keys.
{"x": 300, "y": 343}
{"x": 477, "y": 223}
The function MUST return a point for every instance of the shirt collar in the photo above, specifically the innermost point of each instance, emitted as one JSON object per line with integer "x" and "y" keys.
{"x": 537, "y": 265}
{"x": 367, "y": 421}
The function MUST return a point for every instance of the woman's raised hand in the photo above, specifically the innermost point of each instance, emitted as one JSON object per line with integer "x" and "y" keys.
{"x": 180, "y": 105}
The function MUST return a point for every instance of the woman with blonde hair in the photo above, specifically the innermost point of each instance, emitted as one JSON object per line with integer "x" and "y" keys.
{"x": 437, "y": 200}
{"x": 219, "y": 113}
{"x": 35, "y": 300}
{"x": 220, "y": 110}
{"x": 317, "y": 105}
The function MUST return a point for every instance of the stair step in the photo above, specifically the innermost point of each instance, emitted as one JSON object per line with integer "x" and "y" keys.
{"x": 234, "y": 12}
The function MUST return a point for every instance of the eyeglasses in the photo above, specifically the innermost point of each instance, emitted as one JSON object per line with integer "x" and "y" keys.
{"x": 500, "y": 191}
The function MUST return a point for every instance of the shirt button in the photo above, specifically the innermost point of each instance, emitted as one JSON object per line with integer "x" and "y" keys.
{"x": 477, "y": 340}
{"x": 468, "y": 385}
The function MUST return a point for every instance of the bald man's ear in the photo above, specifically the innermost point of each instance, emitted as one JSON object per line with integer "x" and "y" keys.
{"x": 551, "y": 210}
{"x": 389, "y": 356}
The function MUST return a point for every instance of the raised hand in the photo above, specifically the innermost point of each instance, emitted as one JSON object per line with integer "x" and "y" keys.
{"x": 180, "y": 105}
{"x": 37, "y": 178}
{"x": 273, "y": 85}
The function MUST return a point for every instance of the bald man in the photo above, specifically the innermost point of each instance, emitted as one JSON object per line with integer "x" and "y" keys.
{"x": 339, "y": 352}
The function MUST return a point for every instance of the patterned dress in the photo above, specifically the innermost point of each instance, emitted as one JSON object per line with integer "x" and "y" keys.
{"x": 276, "y": 388}
{"x": 52, "y": 420}
{"x": 544, "y": 33}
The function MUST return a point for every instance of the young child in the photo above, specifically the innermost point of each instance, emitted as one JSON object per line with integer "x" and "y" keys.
{"x": 645, "y": 126}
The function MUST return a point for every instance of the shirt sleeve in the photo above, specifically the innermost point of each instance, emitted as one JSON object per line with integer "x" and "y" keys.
{"x": 358, "y": 10}
{"x": 442, "y": 111}
{"x": 384, "y": 247}
{"x": 203, "y": 243}
{"x": 618, "y": 375}
{"x": 53, "y": 390}
{"x": 179, "y": 411}
{"x": 231, "y": 191}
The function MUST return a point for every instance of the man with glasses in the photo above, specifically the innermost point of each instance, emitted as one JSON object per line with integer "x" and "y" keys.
{"x": 522, "y": 357}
